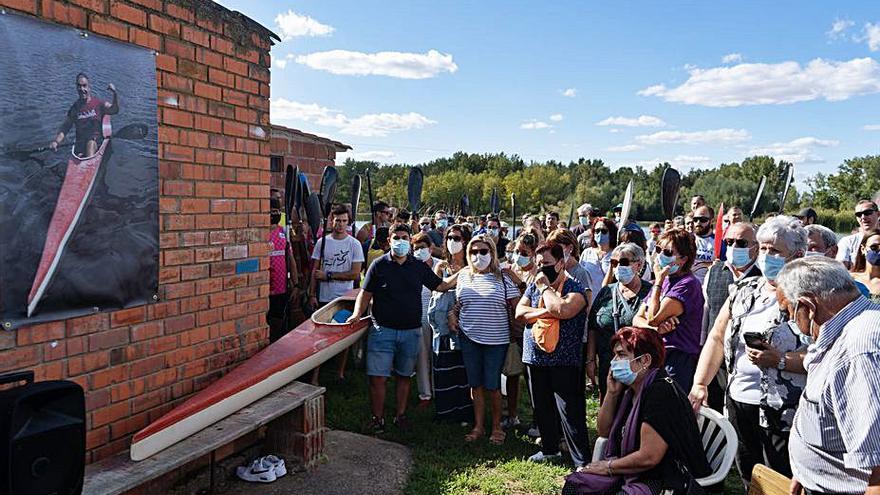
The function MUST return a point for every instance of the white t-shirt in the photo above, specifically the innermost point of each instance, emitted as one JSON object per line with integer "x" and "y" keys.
{"x": 596, "y": 276}
{"x": 705, "y": 256}
{"x": 338, "y": 257}
{"x": 745, "y": 384}
{"x": 848, "y": 247}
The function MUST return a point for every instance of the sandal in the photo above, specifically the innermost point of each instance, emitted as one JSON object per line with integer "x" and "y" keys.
{"x": 497, "y": 437}
{"x": 474, "y": 435}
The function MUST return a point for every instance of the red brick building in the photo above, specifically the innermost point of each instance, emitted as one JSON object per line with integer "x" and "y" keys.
{"x": 309, "y": 152}
{"x": 212, "y": 70}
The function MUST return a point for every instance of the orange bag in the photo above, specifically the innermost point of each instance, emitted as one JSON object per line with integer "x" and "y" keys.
{"x": 545, "y": 331}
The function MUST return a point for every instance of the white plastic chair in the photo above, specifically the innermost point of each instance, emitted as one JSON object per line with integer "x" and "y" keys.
{"x": 719, "y": 443}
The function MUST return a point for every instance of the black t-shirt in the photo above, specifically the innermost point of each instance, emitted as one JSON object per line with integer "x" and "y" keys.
{"x": 501, "y": 247}
{"x": 665, "y": 407}
{"x": 397, "y": 291}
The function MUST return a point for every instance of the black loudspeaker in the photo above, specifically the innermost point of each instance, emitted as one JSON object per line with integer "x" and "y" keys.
{"x": 42, "y": 437}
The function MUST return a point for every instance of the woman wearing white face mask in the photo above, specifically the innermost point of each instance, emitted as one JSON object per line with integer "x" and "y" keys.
{"x": 485, "y": 301}
{"x": 614, "y": 308}
{"x": 762, "y": 352}
{"x": 867, "y": 266}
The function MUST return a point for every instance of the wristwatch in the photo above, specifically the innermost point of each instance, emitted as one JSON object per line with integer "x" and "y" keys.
{"x": 329, "y": 276}
{"x": 781, "y": 364}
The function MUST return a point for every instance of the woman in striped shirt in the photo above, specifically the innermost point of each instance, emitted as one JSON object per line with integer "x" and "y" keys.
{"x": 485, "y": 299}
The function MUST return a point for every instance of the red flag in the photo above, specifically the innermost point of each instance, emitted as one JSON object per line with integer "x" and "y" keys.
{"x": 719, "y": 231}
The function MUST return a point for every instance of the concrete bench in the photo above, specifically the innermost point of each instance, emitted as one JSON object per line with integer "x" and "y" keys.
{"x": 294, "y": 421}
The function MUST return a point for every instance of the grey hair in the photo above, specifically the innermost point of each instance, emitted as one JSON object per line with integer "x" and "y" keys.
{"x": 632, "y": 251}
{"x": 816, "y": 276}
{"x": 829, "y": 238}
{"x": 788, "y": 229}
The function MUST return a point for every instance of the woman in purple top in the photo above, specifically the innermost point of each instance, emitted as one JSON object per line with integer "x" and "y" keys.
{"x": 675, "y": 307}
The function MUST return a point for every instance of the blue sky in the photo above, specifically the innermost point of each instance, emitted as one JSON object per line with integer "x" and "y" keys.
{"x": 694, "y": 83}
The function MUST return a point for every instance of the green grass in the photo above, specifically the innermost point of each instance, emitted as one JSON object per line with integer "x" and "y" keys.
{"x": 443, "y": 462}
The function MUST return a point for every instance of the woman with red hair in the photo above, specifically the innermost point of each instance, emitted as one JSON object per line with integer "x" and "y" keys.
{"x": 653, "y": 440}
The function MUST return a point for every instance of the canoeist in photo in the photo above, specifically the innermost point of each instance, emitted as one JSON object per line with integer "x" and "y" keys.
{"x": 87, "y": 116}
{"x": 91, "y": 118}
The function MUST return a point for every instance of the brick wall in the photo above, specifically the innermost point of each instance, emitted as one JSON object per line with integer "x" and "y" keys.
{"x": 213, "y": 86}
{"x": 310, "y": 153}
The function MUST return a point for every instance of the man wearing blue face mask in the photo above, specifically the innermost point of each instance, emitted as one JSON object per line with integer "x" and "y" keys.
{"x": 438, "y": 233}
{"x": 586, "y": 217}
{"x": 742, "y": 251}
{"x": 394, "y": 285}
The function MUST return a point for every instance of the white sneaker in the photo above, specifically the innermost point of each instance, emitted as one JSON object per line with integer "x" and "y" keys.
{"x": 541, "y": 457}
{"x": 260, "y": 471}
{"x": 508, "y": 422}
{"x": 280, "y": 468}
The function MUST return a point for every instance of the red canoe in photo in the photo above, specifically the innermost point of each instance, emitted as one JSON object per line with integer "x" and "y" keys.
{"x": 75, "y": 191}
{"x": 310, "y": 344}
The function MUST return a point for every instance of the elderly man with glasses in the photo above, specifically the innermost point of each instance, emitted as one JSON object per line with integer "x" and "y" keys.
{"x": 835, "y": 436}
{"x": 868, "y": 219}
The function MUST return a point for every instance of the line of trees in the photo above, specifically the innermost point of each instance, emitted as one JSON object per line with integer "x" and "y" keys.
{"x": 552, "y": 185}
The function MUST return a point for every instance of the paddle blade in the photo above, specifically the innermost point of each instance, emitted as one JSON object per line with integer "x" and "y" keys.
{"x": 329, "y": 181}
{"x": 670, "y": 184}
{"x": 789, "y": 178}
{"x": 719, "y": 231}
{"x": 464, "y": 205}
{"x": 304, "y": 190}
{"x": 289, "y": 186}
{"x": 493, "y": 202}
{"x": 355, "y": 197}
{"x": 132, "y": 131}
{"x": 313, "y": 213}
{"x": 414, "y": 189}
{"x": 758, "y": 198}
{"x": 627, "y": 204}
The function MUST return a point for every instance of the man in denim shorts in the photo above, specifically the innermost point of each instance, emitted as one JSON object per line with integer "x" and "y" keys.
{"x": 394, "y": 285}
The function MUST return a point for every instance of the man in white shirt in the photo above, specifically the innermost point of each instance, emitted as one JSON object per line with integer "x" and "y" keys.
{"x": 848, "y": 247}
{"x": 341, "y": 264}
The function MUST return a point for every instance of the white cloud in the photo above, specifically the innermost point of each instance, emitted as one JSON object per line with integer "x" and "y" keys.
{"x": 393, "y": 64}
{"x": 774, "y": 84}
{"x": 569, "y": 92}
{"x": 640, "y": 121}
{"x": 872, "y": 36}
{"x": 732, "y": 58}
{"x": 689, "y": 66}
{"x": 839, "y": 28}
{"x": 691, "y": 160}
{"x": 688, "y": 161}
{"x": 368, "y": 125}
{"x": 279, "y": 63}
{"x": 714, "y": 136}
{"x": 535, "y": 124}
{"x": 556, "y": 117}
{"x": 613, "y": 130}
{"x": 624, "y": 149}
{"x": 377, "y": 155}
{"x": 291, "y": 25}
{"x": 800, "y": 150}
{"x": 871, "y": 127}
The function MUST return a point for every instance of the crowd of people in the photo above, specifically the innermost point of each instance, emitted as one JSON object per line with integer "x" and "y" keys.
{"x": 777, "y": 327}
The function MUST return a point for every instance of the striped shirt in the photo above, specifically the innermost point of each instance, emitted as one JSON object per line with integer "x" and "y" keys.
{"x": 483, "y": 317}
{"x": 835, "y": 440}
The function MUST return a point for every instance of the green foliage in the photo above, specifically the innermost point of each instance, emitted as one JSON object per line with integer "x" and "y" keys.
{"x": 541, "y": 187}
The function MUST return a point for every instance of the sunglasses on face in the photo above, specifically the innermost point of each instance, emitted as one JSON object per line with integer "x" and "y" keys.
{"x": 524, "y": 253}
{"x": 668, "y": 252}
{"x": 621, "y": 262}
{"x": 869, "y": 212}
{"x": 483, "y": 251}
{"x": 600, "y": 231}
{"x": 454, "y": 238}
{"x": 740, "y": 243}
{"x": 875, "y": 247}
{"x": 425, "y": 224}
{"x": 701, "y": 219}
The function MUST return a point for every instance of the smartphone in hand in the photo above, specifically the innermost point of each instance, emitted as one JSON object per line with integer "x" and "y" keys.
{"x": 755, "y": 340}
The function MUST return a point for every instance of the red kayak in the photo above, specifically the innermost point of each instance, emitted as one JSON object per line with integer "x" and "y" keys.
{"x": 310, "y": 344}
{"x": 75, "y": 191}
